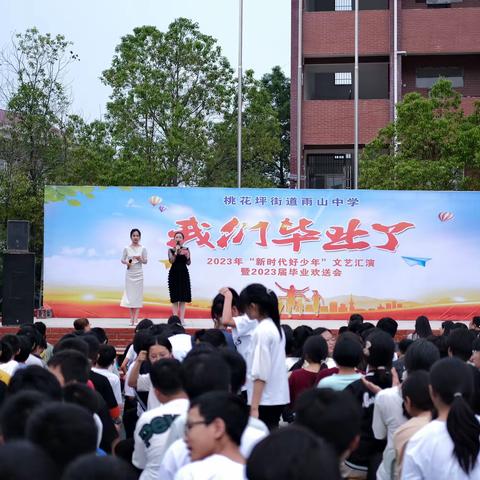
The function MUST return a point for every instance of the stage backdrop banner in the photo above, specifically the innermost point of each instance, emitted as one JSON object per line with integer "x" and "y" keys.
{"x": 326, "y": 253}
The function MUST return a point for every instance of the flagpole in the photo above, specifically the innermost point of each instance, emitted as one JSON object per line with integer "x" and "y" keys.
{"x": 356, "y": 73}
{"x": 240, "y": 102}
{"x": 299, "y": 93}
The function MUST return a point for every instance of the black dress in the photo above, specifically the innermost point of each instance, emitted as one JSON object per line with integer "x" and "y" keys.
{"x": 179, "y": 280}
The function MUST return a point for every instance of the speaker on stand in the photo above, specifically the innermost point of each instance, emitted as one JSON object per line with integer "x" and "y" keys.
{"x": 18, "y": 276}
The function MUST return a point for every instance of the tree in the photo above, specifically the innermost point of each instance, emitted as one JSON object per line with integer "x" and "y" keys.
{"x": 278, "y": 85}
{"x": 168, "y": 91}
{"x": 32, "y": 143}
{"x": 432, "y": 146}
{"x": 261, "y": 132}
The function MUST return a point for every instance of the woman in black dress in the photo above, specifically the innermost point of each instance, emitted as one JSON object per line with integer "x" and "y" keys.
{"x": 178, "y": 277}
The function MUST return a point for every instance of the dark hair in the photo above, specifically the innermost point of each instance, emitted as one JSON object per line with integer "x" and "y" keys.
{"x": 205, "y": 373}
{"x": 476, "y": 345}
{"x": 315, "y": 349}
{"x": 133, "y": 230}
{"x": 224, "y": 405}
{"x": 460, "y": 343}
{"x": 422, "y": 327}
{"x": 214, "y": 336}
{"x": 333, "y": 415}
{"x": 174, "y": 329}
{"x": 288, "y": 333}
{"x": 388, "y": 325}
{"x": 141, "y": 340}
{"x": 355, "y": 323}
{"x": 216, "y": 309}
{"x": 452, "y": 381}
{"x": 143, "y": 325}
{"x": 73, "y": 365}
{"x": 460, "y": 326}
{"x": 93, "y": 346}
{"x": 106, "y": 355}
{"x": 300, "y": 335}
{"x": 447, "y": 326}
{"x": 81, "y": 394}
{"x": 25, "y": 343}
{"x": 6, "y": 352}
{"x": 64, "y": 431}
{"x": 158, "y": 340}
{"x": 15, "y": 412}
{"x": 179, "y": 232}
{"x": 92, "y": 467}
{"x": 80, "y": 324}
{"x": 166, "y": 376}
{"x": 421, "y": 355}
{"x": 159, "y": 329}
{"x": 320, "y": 330}
{"x": 21, "y": 460}
{"x": 476, "y": 321}
{"x": 41, "y": 327}
{"x": 292, "y": 453}
{"x": 72, "y": 343}
{"x": 174, "y": 320}
{"x": 348, "y": 352}
{"x": 35, "y": 337}
{"x": 100, "y": 333}
{"x": 13, "y": 341}
{"x": 35, "y": 378}
{"x": 440, "y": 341}
{"x": 265, "y": 299}
{"x": 415, "y": 387}
{"x": 238, "y": 368}
{"x": 404, "y": 344}
{"x": 343, "y": 330}
{"x": 382, "y": 348}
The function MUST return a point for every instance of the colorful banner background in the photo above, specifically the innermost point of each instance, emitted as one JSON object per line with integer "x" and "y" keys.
{"x": 326, "y": 253}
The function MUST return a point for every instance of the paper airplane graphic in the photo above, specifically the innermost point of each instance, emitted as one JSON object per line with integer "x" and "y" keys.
{"x": 412, "y": 261}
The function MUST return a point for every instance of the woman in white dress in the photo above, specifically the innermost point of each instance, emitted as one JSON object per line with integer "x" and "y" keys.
{"x": 134, "y": 256}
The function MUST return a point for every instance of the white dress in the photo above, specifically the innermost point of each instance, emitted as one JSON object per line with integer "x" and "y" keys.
{"x": 133, "y": 293}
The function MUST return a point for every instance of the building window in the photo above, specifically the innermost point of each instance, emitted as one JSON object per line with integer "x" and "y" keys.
{"x": 344, "y": 5}
{"x": 343, "y": 78}
{"x": 427, "y": 76}
{"x": 335, "y": 81}
{"x": 329, "y": 170}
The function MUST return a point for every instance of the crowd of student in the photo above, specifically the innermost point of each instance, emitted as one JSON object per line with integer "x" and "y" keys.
{"x": 247, "y": 399}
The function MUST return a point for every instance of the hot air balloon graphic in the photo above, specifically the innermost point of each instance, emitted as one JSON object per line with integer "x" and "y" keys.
{"x": 162, "y": 208}
{"x": 445, "y": 216}
{"x": 154, "y": 200}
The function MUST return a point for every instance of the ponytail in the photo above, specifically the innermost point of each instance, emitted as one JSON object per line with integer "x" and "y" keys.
{"x": 266, "y": 301}
{"x": 452, "y": 380}
{"x": 464, "y": 430}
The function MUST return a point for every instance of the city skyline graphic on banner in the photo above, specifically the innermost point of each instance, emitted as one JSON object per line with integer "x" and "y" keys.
{"x": 326, "y": 253}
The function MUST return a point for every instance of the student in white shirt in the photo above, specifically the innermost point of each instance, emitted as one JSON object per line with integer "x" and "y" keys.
{"x": 106, "y": 357}
{"x": 181, "y": 342}
{"x": 152, "y": 427}
{"x": 242, "y": 326}
{"x": 214, "y": 427}
{"x": 269, "y": 391}
{"x": 157, "y": 348}
{"x": 448, "y": 447}
{"x": 206, "y": 371}
{"x": 131, "y": 354}
{"x": 388, "y": 411}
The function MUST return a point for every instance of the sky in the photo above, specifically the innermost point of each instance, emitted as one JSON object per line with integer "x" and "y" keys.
{"x": 96, "y": 27}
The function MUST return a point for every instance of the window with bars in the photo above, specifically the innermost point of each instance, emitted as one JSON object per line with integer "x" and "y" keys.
{"x": 343, "y": 5}
{"x": 343, "y": 78}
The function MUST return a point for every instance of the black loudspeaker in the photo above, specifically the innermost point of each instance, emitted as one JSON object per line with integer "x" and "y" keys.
{"x": 18, "y": 232}
{"x": 18, "y": 288}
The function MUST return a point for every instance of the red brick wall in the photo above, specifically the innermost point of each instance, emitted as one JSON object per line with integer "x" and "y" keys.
{"x": 442, "y": 30}
{"x": 330, "y": 34}
{"x": 470, "y": 64}
{"x": 330, "y": 122}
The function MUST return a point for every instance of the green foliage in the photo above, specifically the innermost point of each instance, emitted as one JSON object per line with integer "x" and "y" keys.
{"x": 438, "y": 147}
{"x": 168, "y": 89}
{"x": 260, "y": 141}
